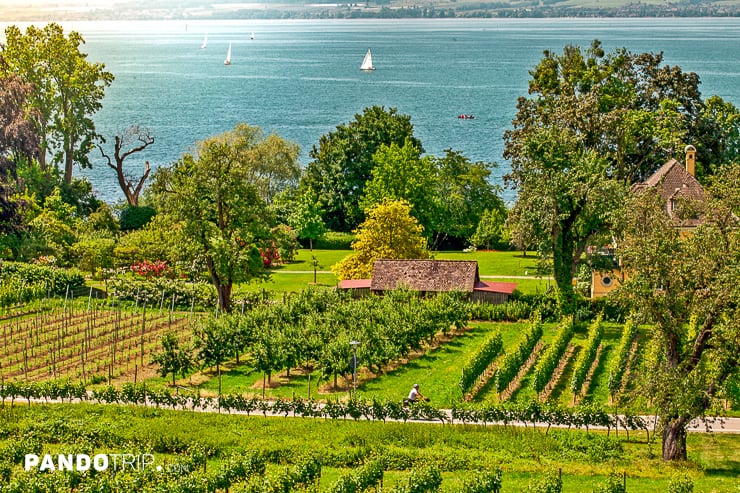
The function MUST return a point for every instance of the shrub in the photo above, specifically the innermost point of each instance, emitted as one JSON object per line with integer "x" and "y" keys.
{"x": 54, "y": 278}
{"x": 681, "y": 484}
{"x": 614, "y": 483}
{"x": 550, "y": 483}
{"x": 483, "y": 482}
{"x": 334, "y": 241}
{"x": 136, "y": 217}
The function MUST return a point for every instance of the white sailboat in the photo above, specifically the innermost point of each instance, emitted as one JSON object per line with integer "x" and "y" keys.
{"x": 367, "y": 62}
{"x": 228, "y": 56}
{"x": 205, "y": 42}
{"x": 251, "y": 36}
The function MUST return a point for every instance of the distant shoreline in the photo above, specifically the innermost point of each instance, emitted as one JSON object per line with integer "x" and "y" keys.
{"x": 503, "y": 9}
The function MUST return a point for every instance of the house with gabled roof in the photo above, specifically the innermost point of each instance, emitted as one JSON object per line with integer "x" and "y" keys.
{"x": 431, "y": 276}
{"x": 674, "y": 182}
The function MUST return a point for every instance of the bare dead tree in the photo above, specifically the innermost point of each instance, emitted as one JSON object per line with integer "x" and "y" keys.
{"x": 134, "y": 139}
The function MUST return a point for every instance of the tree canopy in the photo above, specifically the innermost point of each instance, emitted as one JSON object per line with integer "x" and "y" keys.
{"x": 593, "y": 124}
{"x": 220, "y": 195}
{"x": 686, "y": 287}
{"x": 343, "y": 162}
{"x": 389, "y": 232}
{"x": 68, "y": 90}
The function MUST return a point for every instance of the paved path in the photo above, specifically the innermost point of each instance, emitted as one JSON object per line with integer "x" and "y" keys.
{"x": 711, "y": 425}
{"x": 534, "y": 278}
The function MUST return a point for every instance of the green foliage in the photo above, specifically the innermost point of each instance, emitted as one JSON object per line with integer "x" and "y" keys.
{"x": 173, "y": 358}
{"x": 55, "y": 280}
{"x": 491, "y": 231}
{"x": 551, "y": 358}
{"x": 514, "y": 359}
{"x": 343, "y": 161}
{"x": 681, "y": 483}
{"x": 333, "y": 240}
{"x": 426, "y": 479}
{"x": 285, "y": 240}
{"x": 186, "y": 294}
{"x": 511, "y": 311}
{"x": 401, "y": 174}
{"x": 305, "y": 218}
{"x": 618, "y": 364}
{"x": 68, "y": 90}
{"x": 480, "y": 361}
{"x": 93, "y": 253}
{"x": 614, "y": 483}
{"x": 464, "y": 191}
{"x": 483, "y": 482}
{"x": 548, "y": 483}
{"x": 587, "y": 356}
{"x": 136, "y": 217}
{"x": 685, "y": 285}
{"x": 220, "y": 196}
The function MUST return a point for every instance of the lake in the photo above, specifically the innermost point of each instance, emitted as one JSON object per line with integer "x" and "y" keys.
{"x": 300, "y": 79}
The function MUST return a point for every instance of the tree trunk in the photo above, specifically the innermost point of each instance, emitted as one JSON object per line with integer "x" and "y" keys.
{"x": 674, "y": 440}
{"x": 562, "y": 259}
{"x": 223, "y": 289}
{"x": 69, "y": 159}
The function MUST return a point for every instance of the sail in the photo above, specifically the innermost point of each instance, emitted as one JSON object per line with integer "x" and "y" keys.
{"x": 251, "y": 36}
{"x": 367, "y": 62}
{"x": 228, "y": 56}
{"x": 205, "y": 41}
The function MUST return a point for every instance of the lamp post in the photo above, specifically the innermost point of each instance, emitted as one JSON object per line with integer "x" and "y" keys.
{"x": 315, "y": 264}
{"x": 354, "y": 345}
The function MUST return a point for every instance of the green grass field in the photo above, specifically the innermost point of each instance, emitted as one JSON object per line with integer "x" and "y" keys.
{"x": 458, "y": 450}
{"x": 298, "y": 274}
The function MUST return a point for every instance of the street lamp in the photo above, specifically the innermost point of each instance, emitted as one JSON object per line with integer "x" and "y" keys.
{"x": 354, "y": 345}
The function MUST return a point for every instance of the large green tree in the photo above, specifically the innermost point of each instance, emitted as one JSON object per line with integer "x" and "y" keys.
{"x": 343, "y": 162}
{"x": 219, "y": 194}
{"x": 400, "y": 173}
{"x": 68, "y": 90}
{"x": 686, "y": 287}
{"x": 463, "y": 193}
{"x": 593, "y": 124}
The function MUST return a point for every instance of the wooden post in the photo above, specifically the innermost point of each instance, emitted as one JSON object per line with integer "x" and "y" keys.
{"x": 143, "y": 327}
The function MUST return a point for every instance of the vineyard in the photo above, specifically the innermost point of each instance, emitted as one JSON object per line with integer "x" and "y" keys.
{"x": 84, "y": 339}
{"x": 94, "y": 341}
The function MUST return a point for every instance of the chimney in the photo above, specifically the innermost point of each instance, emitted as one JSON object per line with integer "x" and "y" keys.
{"x": 691, "y": 160}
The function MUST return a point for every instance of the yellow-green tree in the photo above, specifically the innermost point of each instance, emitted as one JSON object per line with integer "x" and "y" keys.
{"x": 389, "y": 232}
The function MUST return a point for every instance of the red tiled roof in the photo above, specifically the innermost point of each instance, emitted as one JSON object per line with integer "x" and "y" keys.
{"x": 354, "y": 283}
{"x": 495, "y": 287}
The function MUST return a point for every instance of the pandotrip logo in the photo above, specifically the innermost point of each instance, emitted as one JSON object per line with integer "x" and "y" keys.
{"x": 98, "y": 462}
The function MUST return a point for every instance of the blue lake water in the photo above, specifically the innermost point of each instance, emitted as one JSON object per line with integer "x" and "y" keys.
{"x": 301, "y": 79}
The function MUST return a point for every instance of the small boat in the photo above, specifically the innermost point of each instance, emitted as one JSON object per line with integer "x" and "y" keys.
{"x": 251, "y": 36}
{"x": 228, "y": 56}
{"x": 205, "y": 42}
{"x": 465, "y": 117}
{"x": 367, "y": 62}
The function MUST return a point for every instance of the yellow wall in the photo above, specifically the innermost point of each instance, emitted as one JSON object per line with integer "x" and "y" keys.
{"x": 600, "y": 285}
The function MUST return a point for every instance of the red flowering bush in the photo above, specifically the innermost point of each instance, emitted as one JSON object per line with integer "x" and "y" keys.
{"x": 270, "y": 255}
{"x": 148, "y": 269}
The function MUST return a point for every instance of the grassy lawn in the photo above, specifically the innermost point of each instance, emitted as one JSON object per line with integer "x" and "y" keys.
{"x": 458, "y": 450}
{"x": 296, "y": 275}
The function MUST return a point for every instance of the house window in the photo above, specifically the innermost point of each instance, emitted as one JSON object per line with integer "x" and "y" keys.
{"x": 607, "y": 281}
{"x": 673, "y": 205}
